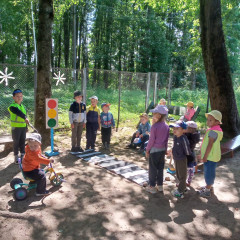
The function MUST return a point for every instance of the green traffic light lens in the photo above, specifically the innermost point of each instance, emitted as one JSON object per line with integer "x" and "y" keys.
{"x": 52, "y": 123}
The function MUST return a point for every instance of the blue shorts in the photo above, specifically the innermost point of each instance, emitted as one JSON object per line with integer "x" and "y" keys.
{"x": 210, "y": 172}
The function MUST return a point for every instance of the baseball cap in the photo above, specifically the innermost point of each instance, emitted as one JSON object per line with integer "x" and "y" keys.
{"x": 94, "y": 97}
{"x": 77, "y": 93}
{"x": 189, "y": 104}
{"x": 16, "y": 91}
{"x": 191, "y": 124}
{"x": 36, "y": 137}
{"x": 160, "y": 109}
{"x": 178, "y": 124}
{"x": 216, "y": 114}
{"x": 105, "y": 104}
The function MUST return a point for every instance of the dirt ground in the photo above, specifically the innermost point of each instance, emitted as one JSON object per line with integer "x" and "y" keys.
{"x": 96, "y": 204}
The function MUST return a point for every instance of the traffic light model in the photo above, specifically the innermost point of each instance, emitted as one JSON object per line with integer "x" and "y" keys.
{"x": 51, "y": 121}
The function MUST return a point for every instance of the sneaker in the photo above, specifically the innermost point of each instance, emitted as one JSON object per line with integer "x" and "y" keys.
{"x": 201, "y": 189}
{"x": 205, "y": 193}
{"x": 42, "y": 194}
{"x": 74, "y": 149}
{"x": 79, "y": 149}
{"x": 160, "y": 188}
{"x": 151, "y": 189}
{"x": 177, "y": 194}
{"x": 107, "y": 146}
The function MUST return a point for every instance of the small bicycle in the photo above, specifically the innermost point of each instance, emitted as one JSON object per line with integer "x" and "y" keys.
{"x": 21, "y": 189}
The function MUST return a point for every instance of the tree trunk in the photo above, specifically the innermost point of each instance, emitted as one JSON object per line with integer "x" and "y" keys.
{"x": 44, "y": 45}
{"x": 66, "y": 37}
{"x": 217, "y": 69}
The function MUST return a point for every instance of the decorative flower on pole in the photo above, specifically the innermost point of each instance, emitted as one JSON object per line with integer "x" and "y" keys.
{"x": 59, "y": 78}
{"x": 5, "y": 76}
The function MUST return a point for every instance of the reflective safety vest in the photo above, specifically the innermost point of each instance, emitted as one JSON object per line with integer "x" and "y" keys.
{"x": 17, "y": 121}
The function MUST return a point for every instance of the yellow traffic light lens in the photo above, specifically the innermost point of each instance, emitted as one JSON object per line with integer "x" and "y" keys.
{"x": 52, "y": 113}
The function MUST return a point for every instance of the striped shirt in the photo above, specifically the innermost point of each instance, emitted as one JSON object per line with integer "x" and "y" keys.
{"x": 181, "y": 147}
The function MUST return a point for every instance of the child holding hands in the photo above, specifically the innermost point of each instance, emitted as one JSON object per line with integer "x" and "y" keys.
{"x": 156, "y": 149}
{"x": 210, "y": 150}
{"x": 31, "y": 163}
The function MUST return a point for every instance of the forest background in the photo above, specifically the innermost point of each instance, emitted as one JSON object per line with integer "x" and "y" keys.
{"x": 131, "y": 36}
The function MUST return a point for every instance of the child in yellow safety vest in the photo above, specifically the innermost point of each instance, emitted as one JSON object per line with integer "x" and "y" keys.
{"x": 211, "y": 151}
{"x": 19, "y": 123}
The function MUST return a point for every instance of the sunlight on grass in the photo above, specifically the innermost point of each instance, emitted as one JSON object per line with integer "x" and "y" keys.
{"x": 132, "y": 104}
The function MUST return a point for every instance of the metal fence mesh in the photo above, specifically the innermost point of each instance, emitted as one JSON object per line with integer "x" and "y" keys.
{"x": 107, "y": 83}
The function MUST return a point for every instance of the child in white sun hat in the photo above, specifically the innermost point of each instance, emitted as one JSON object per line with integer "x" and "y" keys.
{"x": 210, "y": 150}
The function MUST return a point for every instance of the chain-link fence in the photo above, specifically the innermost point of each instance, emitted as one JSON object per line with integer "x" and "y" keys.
{"x": 125, "y": 90}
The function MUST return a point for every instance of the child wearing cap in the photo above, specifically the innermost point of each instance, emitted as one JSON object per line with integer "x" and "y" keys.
{"x": 31, "y": 163}
{"x": 190, "y": 111}
{"x": 210, "y": 150}
{"x": 107, "y": 123}
{"x": 193, "y": 136}
{"x": 77, "y": 119}
{"x": 156, "y": 149}
{"x": 93, "y": 122}
{"x": 142, "y": 134}
{"x": 19, "y": 121}
{"x": 180, "y": 151}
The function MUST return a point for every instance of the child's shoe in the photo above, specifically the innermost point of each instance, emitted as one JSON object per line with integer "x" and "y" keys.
{"x": 151, "y": 189}
{"x": 201, "y": 189}
{"x": 74, "y": 149}
{"x": 79, "y": 149}
{"x": 205, "y": 193}
{"x": 160, "y": 188}
{"x": 177, "y": 194}
{"x": 107, "y": 146}
{"x": 42, "y": 194}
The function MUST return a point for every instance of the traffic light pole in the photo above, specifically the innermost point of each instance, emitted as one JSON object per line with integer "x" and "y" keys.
{"x": 52, "y": 152}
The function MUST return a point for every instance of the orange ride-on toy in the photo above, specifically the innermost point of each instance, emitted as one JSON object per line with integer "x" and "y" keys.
{"x": 21, "y": 189}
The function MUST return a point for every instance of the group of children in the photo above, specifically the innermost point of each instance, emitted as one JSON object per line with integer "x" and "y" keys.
{"x": 80, "y": 117}
{"x": 185, "y": 139}
{"x": 90, "y": 117}
{"x": 153, "y": 138}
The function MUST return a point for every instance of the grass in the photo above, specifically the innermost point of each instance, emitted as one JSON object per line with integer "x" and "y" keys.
{"x": 132, "y": 104}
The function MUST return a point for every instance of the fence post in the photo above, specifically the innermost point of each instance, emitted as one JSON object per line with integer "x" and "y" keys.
{"x": 119, "y": 97}
{"x": 84, "y": 85}
{"x": 148, "y": 90}
{"x": 169, "y": 87}
{"x": 155, "y": 89}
